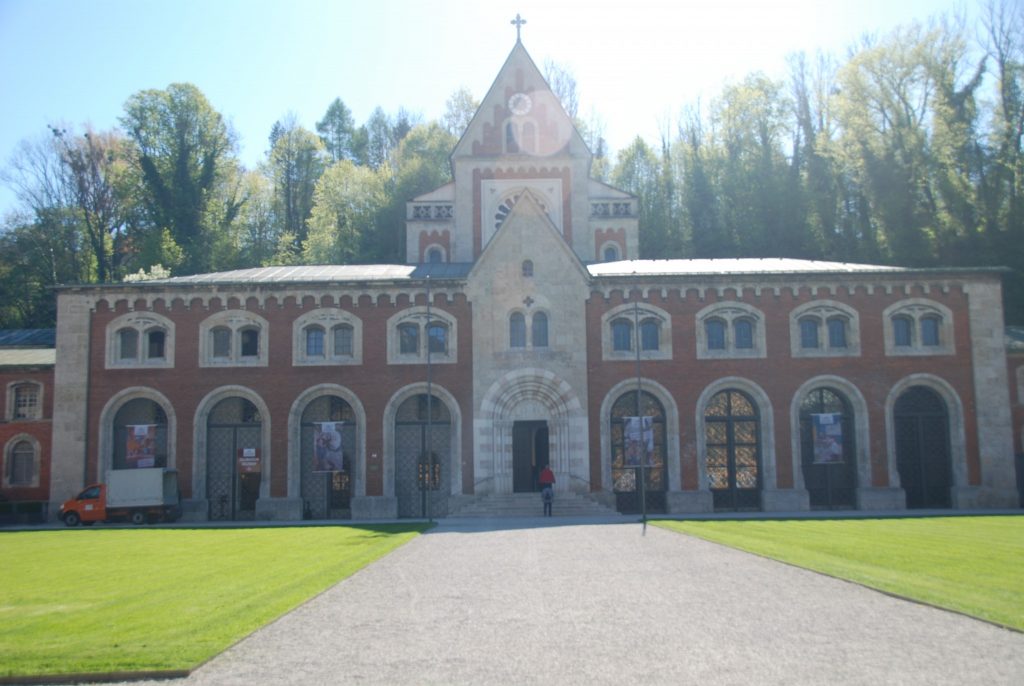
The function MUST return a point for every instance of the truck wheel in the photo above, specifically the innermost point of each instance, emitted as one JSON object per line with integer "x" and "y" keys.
{"x": 138, "y": 518}
{"x": 72, "y": 519}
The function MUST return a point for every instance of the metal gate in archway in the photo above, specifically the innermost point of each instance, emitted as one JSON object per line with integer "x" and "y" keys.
{"x": 921, "y": 423}
{"x": 626, "y": 472}
{"x": 233, "y": 437}
{"x": 422, "y": 457}
{"x": 327, "y": 493}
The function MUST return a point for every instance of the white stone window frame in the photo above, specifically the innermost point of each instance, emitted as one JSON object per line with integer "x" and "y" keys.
{"x": 12, "y": 400}
{"x": 614, "y": 245}
{"x": 646, "y": 312}
{"x": 730, "y": 312}
{"x": 917, "y": 309}
{"x": 236, "y": 321}
{"x": 823, "y": 310}
{"x": 435, "y": 246}
{"x": 9, "y": 460}
{"x": 418, "y": 315}
{"x": 328, "y": 319}
{"x": 143, "y": 323}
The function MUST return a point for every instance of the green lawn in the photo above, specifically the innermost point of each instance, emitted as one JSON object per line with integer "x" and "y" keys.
{"x": 162, "y": 599}
{"x": 973, "y": 565}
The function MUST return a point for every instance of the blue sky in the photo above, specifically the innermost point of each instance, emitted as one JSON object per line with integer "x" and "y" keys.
{"x": 637, "y": 63}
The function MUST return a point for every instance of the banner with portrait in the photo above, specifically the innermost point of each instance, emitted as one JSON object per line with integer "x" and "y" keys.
{"x": 140, "y": 451}
{"x": 639, "y": 439}
{"x": 827, "y": 431}
{"x": 328, "y": 455}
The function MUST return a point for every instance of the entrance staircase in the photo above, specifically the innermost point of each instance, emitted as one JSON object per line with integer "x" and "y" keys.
{"x": 530, "y": 505}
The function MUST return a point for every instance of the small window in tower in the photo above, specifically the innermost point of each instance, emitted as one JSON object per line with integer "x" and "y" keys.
{"x": 527, "y": 268}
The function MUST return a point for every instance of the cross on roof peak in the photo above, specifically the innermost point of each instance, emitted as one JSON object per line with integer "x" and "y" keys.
{"x": 518, "y": 23}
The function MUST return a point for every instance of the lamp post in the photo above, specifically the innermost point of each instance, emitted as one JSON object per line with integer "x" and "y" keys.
{"x": 428, "y": 483}
{"x": 639, "y": 416}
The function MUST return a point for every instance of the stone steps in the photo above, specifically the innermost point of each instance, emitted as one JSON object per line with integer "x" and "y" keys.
{"x": 531, "y": 505}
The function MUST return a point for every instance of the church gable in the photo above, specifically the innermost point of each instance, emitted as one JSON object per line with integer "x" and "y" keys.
{"x": 520, "y": 116}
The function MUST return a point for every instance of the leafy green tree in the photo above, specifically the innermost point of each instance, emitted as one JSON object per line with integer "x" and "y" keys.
{"x": 639, "y": 171}
{"x": 458, "y": 111}
{"x": 183, "y": 148}
{"x": 294, "y": 166}
{"x": 347, "y": 201}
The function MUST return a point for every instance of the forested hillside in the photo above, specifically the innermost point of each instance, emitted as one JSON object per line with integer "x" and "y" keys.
{"x": 907, "y": 151}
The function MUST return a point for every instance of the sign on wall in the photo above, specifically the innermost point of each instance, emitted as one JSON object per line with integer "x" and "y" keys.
{"x": 828, "y": 437}
{"x": 639, "y": 434}
{"x": 141, "y": 448}
{"x": 249, "y": 461}
{"x": 327, "y": 452}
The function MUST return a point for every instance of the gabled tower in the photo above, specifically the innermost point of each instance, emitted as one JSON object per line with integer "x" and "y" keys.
{"x": 520, "y": 139}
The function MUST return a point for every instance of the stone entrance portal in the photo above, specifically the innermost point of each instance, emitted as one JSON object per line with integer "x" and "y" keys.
{"x": 530, "y": 454}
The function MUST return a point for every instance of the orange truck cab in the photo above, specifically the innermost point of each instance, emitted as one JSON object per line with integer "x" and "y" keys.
{"x": 134, "y": 495}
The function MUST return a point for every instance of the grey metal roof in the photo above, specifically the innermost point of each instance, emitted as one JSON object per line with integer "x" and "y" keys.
{"x": 23, "y": 338}
{"x": 331, "y": 273}
{"x": 28, "y": 357}
{"x": 751, "y": 265}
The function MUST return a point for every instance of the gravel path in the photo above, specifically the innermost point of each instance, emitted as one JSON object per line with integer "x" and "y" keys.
{"x": 577, "y": 603}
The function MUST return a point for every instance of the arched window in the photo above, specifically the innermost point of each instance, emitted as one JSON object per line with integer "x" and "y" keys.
{"x": 156, "y": 340}
{"x": 128, "y": 344}
{"x": 343, "y": 340}
{"x": 527, "y": 268}
{"x": 732, "y": 439}
{"x": 517, "y": 330}
{"x": 622, "y": 335}
{"x": 540, "y": 330}
{"x": 628, "y": 455}
{"x": 511, "y": 139}
{"x": 327, "y": 441}
{"x": 435, "y": 256}
{"x": 837, "y": 328}
{"x": 314, "y": 341}
{"x": 437, "y": 337}
{"x": 221, "y": 336}
{"x": 744, "y": 329}
{"x": 809, "y": 332}
{"x": 903, "y": 331}
{"x": 611, "y": 253}
{"x": 408, "y": 339}
{"x": 529, "y": 137}
{"x": 250, "y": 342}
{"x": 827, "y": 450}
{"x": 21, "y": 465}
{"x": 140, "y": 435}
{"x": 715, "y": 330}
{"x": 650, "y": 330}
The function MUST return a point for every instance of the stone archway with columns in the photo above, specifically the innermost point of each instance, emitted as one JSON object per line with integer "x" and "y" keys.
{"x": 531, "y": 394}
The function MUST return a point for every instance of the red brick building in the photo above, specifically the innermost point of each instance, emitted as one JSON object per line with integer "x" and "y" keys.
{"x": 524, "y": 332}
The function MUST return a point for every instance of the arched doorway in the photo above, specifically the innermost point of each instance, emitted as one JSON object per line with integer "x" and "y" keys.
{"x": 732, "y": 433}
{"x": 140, "y": 435}
{"x": 828, "y": 450}
{"x": 626, "y": 467}
{"x": 233, "y": 459}
{"x": 423, "y": 456}
{"x": 530, "y": 454}
{"x": 327, "y": 436}
{"x": 923, "y": 459}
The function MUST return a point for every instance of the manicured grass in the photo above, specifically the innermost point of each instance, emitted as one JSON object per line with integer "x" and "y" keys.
{"x": 973, "y": 565}
{"x": 162, "y": 599}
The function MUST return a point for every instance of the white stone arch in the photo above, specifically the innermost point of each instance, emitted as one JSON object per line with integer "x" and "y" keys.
{"x": 199, "y": 431}
{"x": 861, "y": 424}
{"x": 105, "y": 442}
{"x": 957, "y": 435}
{"x": 767, "y": 422}
{"x": 295, "y": 442}
{"x": 532, "y": 393}
{"x": 391, "y": 410}
{"x": 672, "y": 434}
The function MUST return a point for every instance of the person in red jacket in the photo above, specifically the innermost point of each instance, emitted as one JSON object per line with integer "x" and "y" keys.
{"x": 547, "y": 488}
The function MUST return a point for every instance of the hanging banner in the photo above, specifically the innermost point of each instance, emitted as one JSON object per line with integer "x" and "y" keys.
{"x": 141, "y": 446}
{"x": 639, "y": 435}
{"x": 827, "y": 430}
{"x": 327, "y": 452}
{"x": 248, "y": 461}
